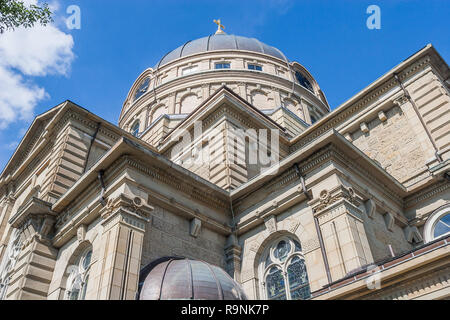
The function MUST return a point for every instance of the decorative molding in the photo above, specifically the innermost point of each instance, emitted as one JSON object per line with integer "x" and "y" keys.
{"x": 135, "y": 205}
{"x": 364, "y": 128}
{"x": 195, "y": 227}
{"x": 81, "y": 233}
{"x": 406, "y": 290}
{"x": 371, "y": 207}
{"x": 427, "y": 193}
{"x": 389, "y": 220}
{"x": 327, "y": 198}
{"x": 173, "y": 181}
{"x": 400, "y": 100}
{"x": 271, "y": 224}
{"x": 412, "y": 234}
{"x": 382, "y": 116}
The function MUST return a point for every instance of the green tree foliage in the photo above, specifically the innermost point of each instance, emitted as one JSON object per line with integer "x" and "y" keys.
{"x": 15, "y": 13}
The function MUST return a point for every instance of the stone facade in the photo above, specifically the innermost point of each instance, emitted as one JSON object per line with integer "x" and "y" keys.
{"x": 86, "y": 205}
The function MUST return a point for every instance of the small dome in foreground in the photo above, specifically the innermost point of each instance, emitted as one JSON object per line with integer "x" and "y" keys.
{"x": 179, "y": 279}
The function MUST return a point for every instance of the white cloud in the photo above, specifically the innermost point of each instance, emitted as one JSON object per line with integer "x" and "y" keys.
{"x": 18, "y": 97}
{"x": 37, "y": 51}
{"x": 26, "y": 53}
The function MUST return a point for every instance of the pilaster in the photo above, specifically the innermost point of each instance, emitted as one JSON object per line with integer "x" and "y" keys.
{"x": 341, "y": 224}
{"x": 124, "y": 222}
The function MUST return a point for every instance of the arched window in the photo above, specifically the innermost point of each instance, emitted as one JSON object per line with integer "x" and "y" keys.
{"x": 143, "y": 87}
{"x": 301, "y": 79}
{"x": 78, "y": 279}
{"x": 438, "y": 224}
{"x": 283, "y": 271}
{"x": 9, "y": 261}
{"x": 135, "y": 129}
{"x": 442, "y": 227}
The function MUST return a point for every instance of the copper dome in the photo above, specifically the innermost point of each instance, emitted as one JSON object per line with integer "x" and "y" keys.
{"x": 180, "y": 278}
{"x": 220, "y": 42}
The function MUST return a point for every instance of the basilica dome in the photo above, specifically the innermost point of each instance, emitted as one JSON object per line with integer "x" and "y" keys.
{"x": 220, "y": 42}
{"x": 179, "y": 279}
{"x": 184, "y": 78}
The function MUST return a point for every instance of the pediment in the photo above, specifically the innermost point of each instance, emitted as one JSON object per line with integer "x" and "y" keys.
{"x": 30, "y": 141}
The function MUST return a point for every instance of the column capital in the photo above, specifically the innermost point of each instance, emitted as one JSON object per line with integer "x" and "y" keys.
{"x": 131, "y": 210}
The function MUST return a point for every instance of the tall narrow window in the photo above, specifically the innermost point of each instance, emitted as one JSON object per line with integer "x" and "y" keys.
{"x": 142, "y": 88}
{"x": 78, "y": 279}
{"x": 222, "y": 66}
{"x": 135, "y": 129}
{"x": 283, "y": 269}
{"x": 301, "y": 79}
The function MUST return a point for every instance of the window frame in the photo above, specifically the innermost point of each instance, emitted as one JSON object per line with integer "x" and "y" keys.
{"x": 79, "y": 271}
{"x": 296, "y": 72}
{"x": 255, "y": 67}
{"x": 282, "y": 265}
{"x": 222, "y": 63}
{"x": 140, "y": 91}
{"x": 136, "y": 125}
{"x": 432, "y": 221}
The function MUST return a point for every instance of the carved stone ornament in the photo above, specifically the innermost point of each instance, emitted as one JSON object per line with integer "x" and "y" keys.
{"x": 271, "y": 224}
{"x": 135, "y": 205}
{"x": 81, "y": 233}
{"x": 327, "y": 198}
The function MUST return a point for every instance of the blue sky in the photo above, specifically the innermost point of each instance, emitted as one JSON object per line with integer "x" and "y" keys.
{"x": 96, "y": 65}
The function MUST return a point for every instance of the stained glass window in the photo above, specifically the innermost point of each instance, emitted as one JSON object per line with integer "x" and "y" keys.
{"x": 285, "y": 254}
{"x": 303, "y": 81}
{"x": 282, "y": 250}
{"x": 87, "y": 260}
{"x": 275, "y": 284}
{"x": 297, "y": 245}
{"x": 298, "y": 279}
{"x": 78, "y": 278}
{"x": 268, "y": 261}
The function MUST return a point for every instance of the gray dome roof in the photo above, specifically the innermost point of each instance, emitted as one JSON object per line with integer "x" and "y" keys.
{"x": 221, "y": 42}
{"x": 179, "y": 279}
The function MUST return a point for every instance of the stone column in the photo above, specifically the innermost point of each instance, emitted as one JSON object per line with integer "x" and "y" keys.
{"x": 343, "y": 232}
{"x": 124, "y": 222}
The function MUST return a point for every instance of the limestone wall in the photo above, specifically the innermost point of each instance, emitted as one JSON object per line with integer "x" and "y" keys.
{"x": 168, "y": 234}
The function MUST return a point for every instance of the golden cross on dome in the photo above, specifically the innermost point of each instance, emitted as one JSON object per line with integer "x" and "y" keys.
{"x": 219, "y": 27}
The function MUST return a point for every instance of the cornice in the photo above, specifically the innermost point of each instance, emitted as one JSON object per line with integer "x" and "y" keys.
{"x": 175, "y": 182}
{"x": 427, "y": 193}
